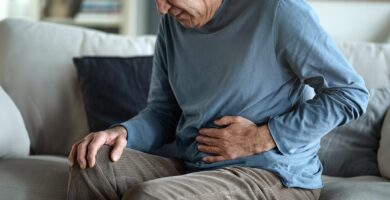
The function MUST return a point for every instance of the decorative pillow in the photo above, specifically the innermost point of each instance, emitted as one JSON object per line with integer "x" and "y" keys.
{"x": 384, "y": 148}
{"x": 114, "y": 89}
{"x": 14, "y": 140}
{"x": 351, "y": 149}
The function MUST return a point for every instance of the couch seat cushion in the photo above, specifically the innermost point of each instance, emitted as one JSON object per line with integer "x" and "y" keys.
{"x": 33, "y": 178}
{"x": 355, "y": 188}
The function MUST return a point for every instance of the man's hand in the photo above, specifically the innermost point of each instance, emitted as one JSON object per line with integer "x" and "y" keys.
{"x": 240, "y": 138}
{"x": 84, "y": 151}
{"x": 163, "y": 6}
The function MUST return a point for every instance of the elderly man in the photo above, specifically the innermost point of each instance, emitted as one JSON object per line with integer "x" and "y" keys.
{"x": 231, "y": 85}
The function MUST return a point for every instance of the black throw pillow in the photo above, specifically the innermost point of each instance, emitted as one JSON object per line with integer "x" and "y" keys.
{"x": 114, "y": 89}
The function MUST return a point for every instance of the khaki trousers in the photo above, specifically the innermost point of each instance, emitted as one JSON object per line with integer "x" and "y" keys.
{"x": 141, "y": 176}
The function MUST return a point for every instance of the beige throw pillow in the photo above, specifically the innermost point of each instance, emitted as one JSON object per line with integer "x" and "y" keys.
{"x": 384, "y": 148}
{"x": 14, "y": 140}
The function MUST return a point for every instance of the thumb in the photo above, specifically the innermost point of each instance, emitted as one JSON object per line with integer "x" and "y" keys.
{"x": 163, "y": 6}
{"x": 224, "y": 121}
{"x": 117, "y": 150}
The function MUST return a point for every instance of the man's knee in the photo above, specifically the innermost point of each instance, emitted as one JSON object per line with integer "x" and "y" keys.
{"x": 103, "y": 155}
{"x": 102, "y": 159}
{"x": 91, "y": 183}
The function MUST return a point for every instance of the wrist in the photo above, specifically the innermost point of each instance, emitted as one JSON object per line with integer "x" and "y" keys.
{"x": 258, "y": 148}
{"x": 122, "y": 130}
{"x": 265, "y": 141}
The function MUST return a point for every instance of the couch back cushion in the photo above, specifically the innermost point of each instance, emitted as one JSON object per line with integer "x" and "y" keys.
{"x": 37, "y": 72}
{"x": 114, "y": 89}
{"x": 351, "y": 149}
{"x": 370, "y": 60}
{"x": 14, "y": 140}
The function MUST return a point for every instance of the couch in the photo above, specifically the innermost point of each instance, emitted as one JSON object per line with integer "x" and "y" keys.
{"x": 37, "y": 72}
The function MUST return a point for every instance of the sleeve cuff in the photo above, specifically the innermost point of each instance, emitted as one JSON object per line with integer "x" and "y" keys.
{"x": 275, "y": 133}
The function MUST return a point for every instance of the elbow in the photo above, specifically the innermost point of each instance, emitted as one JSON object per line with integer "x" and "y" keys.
{"x": 363, "y": 103}
{"x": 358, "y": 102}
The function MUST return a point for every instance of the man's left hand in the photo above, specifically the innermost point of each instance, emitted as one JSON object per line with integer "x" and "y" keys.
{"x": 240, "y": 138}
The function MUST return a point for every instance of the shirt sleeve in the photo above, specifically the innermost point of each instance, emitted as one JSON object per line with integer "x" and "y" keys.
{"x": 341, "y": 95}
{"x": 156, "y": 124}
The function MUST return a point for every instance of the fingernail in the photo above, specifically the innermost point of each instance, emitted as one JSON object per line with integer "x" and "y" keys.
{"x": 115, "y": 157}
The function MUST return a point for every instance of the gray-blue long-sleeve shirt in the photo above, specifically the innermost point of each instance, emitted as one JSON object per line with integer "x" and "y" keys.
{"x": 256, "y": 59}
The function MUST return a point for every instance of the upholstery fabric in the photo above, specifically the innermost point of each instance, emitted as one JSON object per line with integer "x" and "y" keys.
{"x": 351, "y": 149}
{"x": 33, "y": 178}
{"x": 43, "y": 84}
{"x": 384, "y": 148}
{"x": 14, "y": 140}
{"x": 356, "y": 188}
{"x": 114, "y": 89}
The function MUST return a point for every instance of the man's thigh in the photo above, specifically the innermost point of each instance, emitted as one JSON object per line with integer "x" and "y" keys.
{"x": 227, "y": 183}
{"x": 108, "y": 180}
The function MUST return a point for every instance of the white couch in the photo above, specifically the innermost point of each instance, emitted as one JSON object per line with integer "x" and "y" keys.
{"x": 36, "y": 70}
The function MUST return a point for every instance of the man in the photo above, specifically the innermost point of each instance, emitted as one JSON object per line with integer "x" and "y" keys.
{"x": 230, "y": 86}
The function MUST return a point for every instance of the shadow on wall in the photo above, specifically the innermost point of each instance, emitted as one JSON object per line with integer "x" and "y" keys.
{"x": 383, "y": 33}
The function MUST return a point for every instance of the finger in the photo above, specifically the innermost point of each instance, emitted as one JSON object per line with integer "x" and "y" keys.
{"x": 227, "y": 120}
{"x": 119, "y": 146}
{"x": 212, "y": 159}
{"x": 207, "y": 140}
{"x": 82, "y": 152}
{"x": 175, "y": 11}
{"x": 183, "y": 5}
{"x": 209, "y": 149}
{"x": 212, "y": 132}
{"x": 163, "y": 6}
{"x": 97, "y": 141}
{"x": 72, "y": 155}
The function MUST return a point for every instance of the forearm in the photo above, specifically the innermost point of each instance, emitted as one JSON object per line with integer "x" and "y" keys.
{"x": 151, "y": 129}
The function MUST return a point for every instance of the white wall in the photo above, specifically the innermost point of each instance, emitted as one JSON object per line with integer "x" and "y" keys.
{"x": 355, "y": 20}
{"x": 20, "y": 8}
{"x": 3, "y": 9}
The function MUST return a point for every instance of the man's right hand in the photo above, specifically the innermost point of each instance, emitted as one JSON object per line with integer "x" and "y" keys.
{"x": 84, "y": 151}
